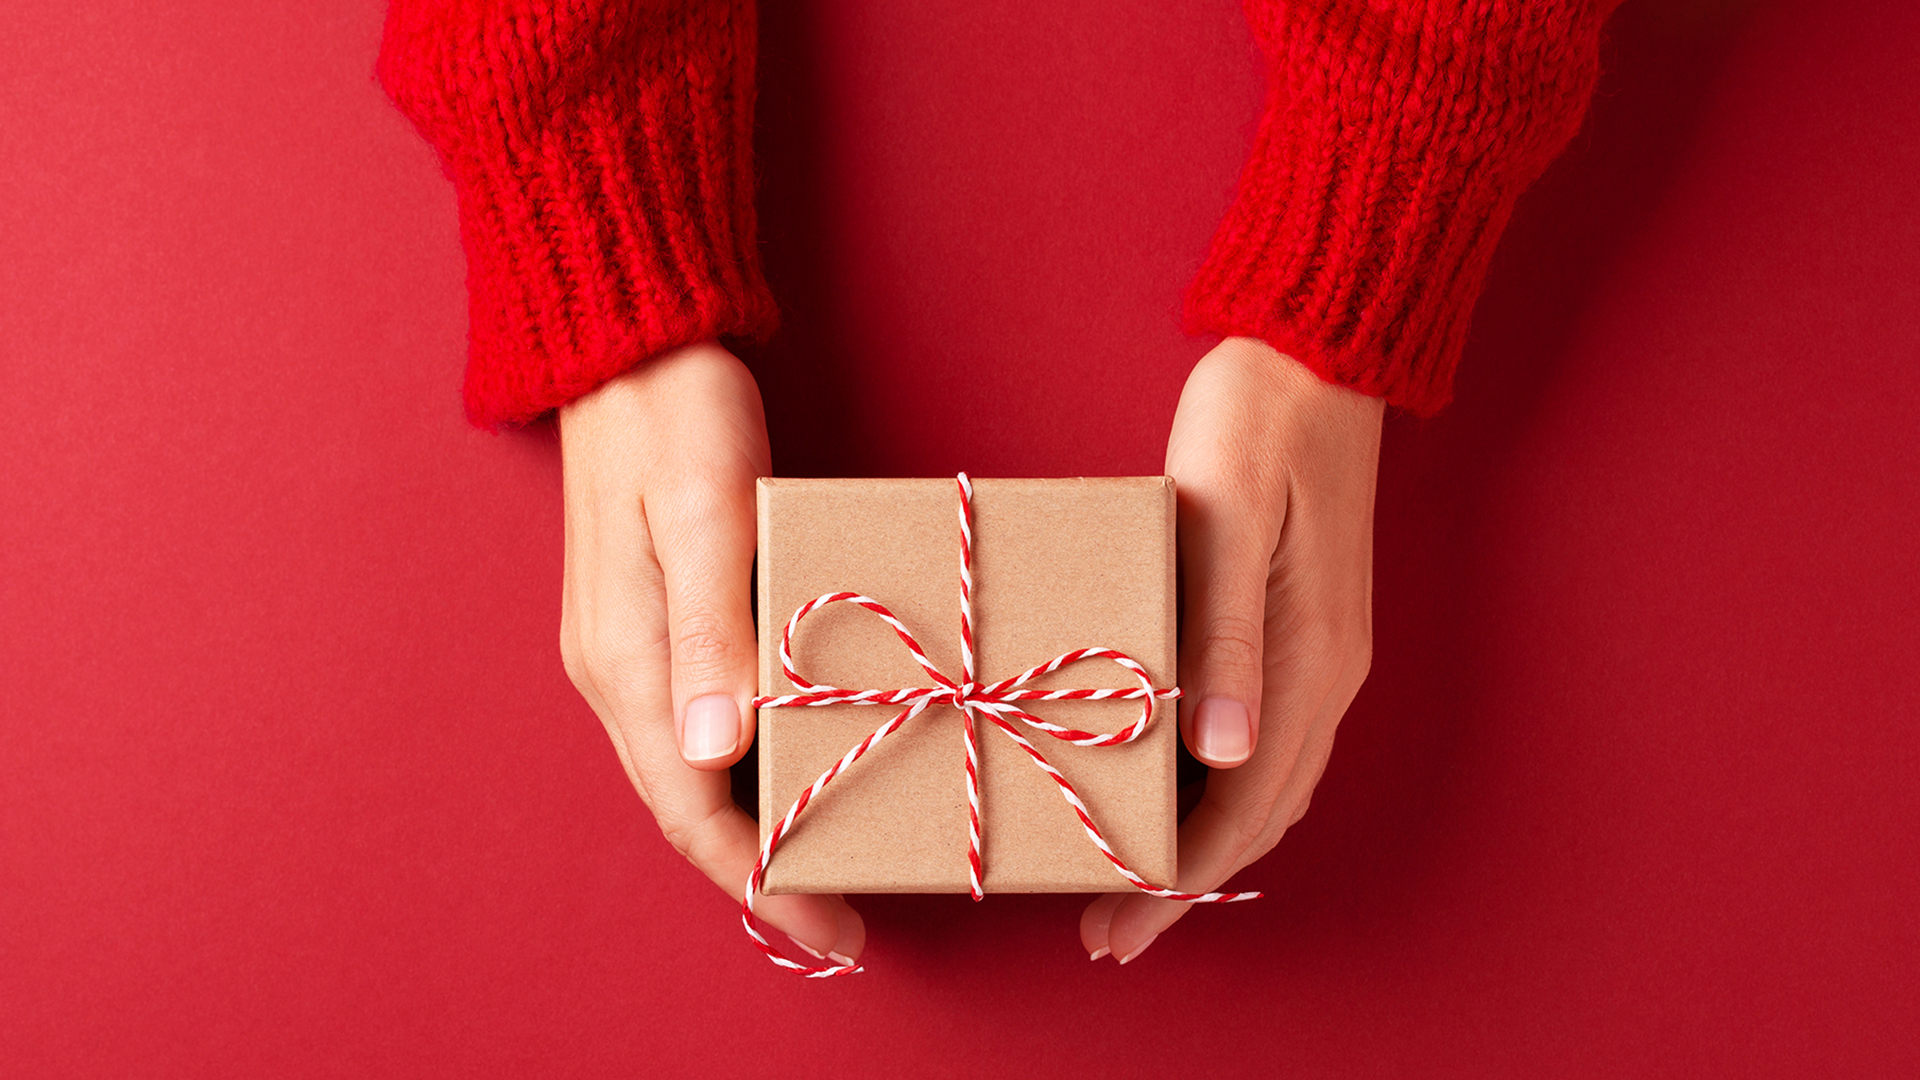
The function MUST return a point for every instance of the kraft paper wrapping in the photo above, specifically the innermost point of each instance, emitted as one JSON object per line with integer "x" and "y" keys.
{"x": 1058, "y": 565}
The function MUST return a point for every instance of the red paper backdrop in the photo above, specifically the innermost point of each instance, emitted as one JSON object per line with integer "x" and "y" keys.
{"x": 291, "y": 782}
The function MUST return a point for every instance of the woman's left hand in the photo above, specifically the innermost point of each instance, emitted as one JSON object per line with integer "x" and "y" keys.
{"x": 1274, "y": 471}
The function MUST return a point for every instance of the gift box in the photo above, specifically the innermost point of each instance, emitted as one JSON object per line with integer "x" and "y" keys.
{"x": 1056, "y": 566}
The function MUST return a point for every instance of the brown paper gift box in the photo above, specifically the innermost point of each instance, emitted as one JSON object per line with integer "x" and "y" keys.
{"x": 1058, "y": 565}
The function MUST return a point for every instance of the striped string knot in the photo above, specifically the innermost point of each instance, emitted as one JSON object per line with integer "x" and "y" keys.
{"x": 996, "y": 703}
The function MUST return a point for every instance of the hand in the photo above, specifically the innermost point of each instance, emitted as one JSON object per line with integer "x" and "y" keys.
{"x": 656, "y": 625}
{"x": 1274, "y": 471}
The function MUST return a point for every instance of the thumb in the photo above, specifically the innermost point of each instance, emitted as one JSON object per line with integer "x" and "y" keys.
{"x": 705, "y": 545}
{"x": 1223, "y": 565}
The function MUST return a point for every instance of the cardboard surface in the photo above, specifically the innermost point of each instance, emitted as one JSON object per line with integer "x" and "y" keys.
{"x": 1058, "y": 565}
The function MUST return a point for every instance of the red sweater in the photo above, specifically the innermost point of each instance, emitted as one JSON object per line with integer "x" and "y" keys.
{"x": 601, "y": 151}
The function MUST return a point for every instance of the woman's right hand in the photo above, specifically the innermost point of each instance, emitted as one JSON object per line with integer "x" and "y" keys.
{"x": 656, "y": 622}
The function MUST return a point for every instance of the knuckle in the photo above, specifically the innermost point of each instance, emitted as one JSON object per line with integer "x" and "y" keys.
{"x": 680, "y": 835}
{"x": 570, "y": 637}
{"x": 1359, "y": 638}
{"x": 1245, "y": 824}
{"x": 1362, "y": 663}
{"x": 1356, "y": 631}
{"x": 705, "y": 649}
{"x": 690, "y": 836}
{"x": 603, "y": 661}
{"x": 600, "y": 656}
{"x": 1250, "y": 838}
{"x": 1355, "y": 655}
{"x": 571, "y": 659}
{"x": 1336, "y": 649}
{"x": 1298, "y": 811}
{"x": 1232, "y": 644}
{"x": 570, "y": 646}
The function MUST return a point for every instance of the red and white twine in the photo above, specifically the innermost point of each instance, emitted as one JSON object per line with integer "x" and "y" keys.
{"x": 994, "y": 702}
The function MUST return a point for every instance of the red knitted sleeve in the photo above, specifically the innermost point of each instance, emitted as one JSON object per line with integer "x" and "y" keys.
{"x": 1396, "y": 138}
{"x": 600, "y": 151}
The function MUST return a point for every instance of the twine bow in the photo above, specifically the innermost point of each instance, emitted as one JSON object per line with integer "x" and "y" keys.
{"x": 994, "y": 702}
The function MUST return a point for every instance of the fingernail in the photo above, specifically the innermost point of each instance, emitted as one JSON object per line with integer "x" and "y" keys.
{"x": 1221, "y": 731}
{"x": 1141, "y": 949}
{"x": 1099, "y": 952}
{"x": 840, "y": 958}
{"x": 712, "y": 728}
{"x": 805, "y": 948}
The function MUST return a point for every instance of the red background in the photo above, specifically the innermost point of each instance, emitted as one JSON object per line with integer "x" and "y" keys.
{"x": 291, "y": 781}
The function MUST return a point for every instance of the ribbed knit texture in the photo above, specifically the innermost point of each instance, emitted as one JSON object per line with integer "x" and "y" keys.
{"x": 1396, "y": 138}
{"x": 601, "y": 153}
{"x": 601, "y": 150}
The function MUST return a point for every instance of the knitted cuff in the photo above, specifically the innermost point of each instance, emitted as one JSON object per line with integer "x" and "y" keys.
{"x": 1392, "y": 149}
{"x": 603, "y": 168}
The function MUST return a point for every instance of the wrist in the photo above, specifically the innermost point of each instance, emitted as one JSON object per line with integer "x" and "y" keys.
{"x": 693, "y": 400}
{"x": 1285, "y": 382}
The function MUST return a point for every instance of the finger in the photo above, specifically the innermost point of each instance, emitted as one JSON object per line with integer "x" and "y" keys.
{"x": 614, "y": 636}
{"x": 1225, "y": 558}
{"x": 696, "y": 813}
{"x": 627, "y": 685}
{"x": 703, "y": 530}
{"x": 1245, "y": 811}
{"x": 1246, "y": 514}
{"x": 1217, "y": 838}
{"x": 702, "y": 822}
{"x": 1094, "y": 923}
